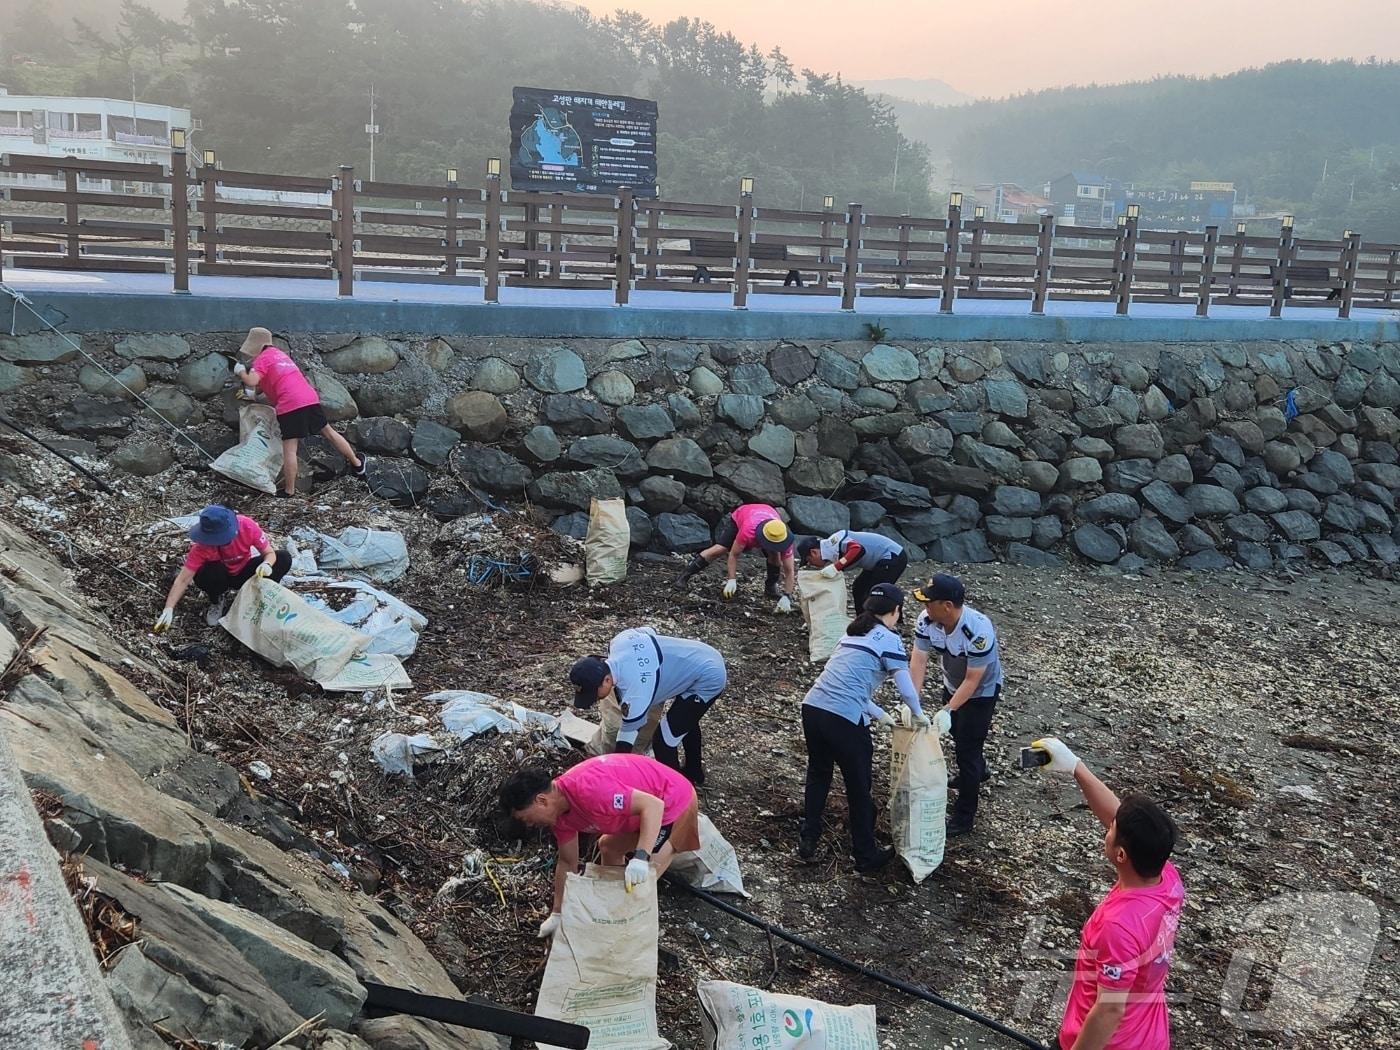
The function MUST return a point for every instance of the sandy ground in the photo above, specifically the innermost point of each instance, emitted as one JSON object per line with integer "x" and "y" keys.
{"x": 1257, "y": 710}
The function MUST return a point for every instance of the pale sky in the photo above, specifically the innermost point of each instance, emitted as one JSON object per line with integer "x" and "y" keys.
{"x": 1000, "y": 47}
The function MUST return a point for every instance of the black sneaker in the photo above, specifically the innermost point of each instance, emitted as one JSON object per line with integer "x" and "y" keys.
{"x": 958, "y": 827}
{"x": 806, "y": 848}
{"x": 364, "y": 464}
{"x": 875, "y": 863}
{"x": 953, "y": 780}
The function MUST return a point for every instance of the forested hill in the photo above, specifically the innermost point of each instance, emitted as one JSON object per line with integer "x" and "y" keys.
{"x": 284, "y": 85}
{"x": 1269, "y": 130}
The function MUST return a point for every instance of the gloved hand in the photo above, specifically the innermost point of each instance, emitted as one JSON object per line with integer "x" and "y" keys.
{"x": 731, "y": 588}
{"x": 245, "y": 393}
{"x": 829, "y": 572}
{"x": 240, "y": 369}
{"x": 921, "y": 721}
{"x": 549, "y": 927}
{"x": 163, "y": 622}
{"x": 1062, "y": 759}
{"x": 883, "y": 720}
{"x": 263, "y": 570}
{"x": 943, "y": 721}
{"x": 784, "y": 605}
{"x": 638, "y": 871}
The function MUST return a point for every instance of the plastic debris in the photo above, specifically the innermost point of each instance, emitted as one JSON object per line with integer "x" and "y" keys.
{"x": 466, "y": 714}
{"x": 397, "y": 753}
{"x": 378, "y": 555}
{"x": 261, "y": 770}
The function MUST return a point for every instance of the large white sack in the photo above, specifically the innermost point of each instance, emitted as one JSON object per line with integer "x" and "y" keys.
{"x": 378, "y": 555}
{"x": 714, "y": 866}
{"x": 823, "y": 604}
{"x": 601, "y": 971}
{"x": 256, "y": 461}
{"x": 279, "y": 626}
{"x": 366, "y": 671}
{"x": 737, "y": 1017}
{"x": 606, "y": 543}
{"x": 918, "y": 798}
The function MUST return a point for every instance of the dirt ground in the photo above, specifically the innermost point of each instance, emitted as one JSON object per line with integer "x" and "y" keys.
{"x": 1257, "y": 710}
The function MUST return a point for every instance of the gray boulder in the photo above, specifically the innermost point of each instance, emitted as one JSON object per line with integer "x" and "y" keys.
{"x": 645, "y": 422}
{"x": 573, "y": 524}
{"x": 477, "y": 414}
{"x": 1253, "y": 556}
{"x": 1281, "y": 457}
{"x": 1211, "y": 501}
{"x": 569, "y": 414}
{"x": 336, "y": 401}
{"x": 152, "y": 346}
{"x": 1014, "y": 502}
{"x": 432, "y": 442}
{"x": 542, "y": 445}
{"x": 680, "y": 357}
{"x": 1148, "y": 538}
{"x": 1080, "y": 471}
{"x": 1193, "y": 538}
{"x": 681, "y": 456}
{"x": 818, "y": 516}
{"x": 555, "y": 370}
{"x": 1265, "y": 500}
{"x": 1096, "y": 544}
{"x": 742, "y": 410}
{"x": 574, "y": 489}
{"x": 684, "y": 411}
{"x": 204, "y": 376}
{"x": 816, "y": 475}
{"x": 1112, "y": 506}
{"x": 875, "y": 399}
{"x": 1247, "y": 527}
{"x": 1042, "y": 477}
{"x": 925, "y": 526}
{"x": 682, "y": 533}
{"x": 639, "y": 525}
{"x": 890, "y": 364}
{"x": 1175, "y": 470}
{"x": 1164, "y": 499}
{"x": 1296, "y": 526}
{"x": 495, "y": 471}
{"x": 1387, "y": 475}
{"x": 607, "y": 452}
{"x": 661, "y": 495}
{"x": 1006, "y": 397}
{"x": 1128, "y": 475}
{"x": 751, "y": 378}
{"x": 996, "y": 461}
{"x": 942, "y": 476}
{"x": 755, "y": 479}
{"x": 927, "y": 396}
{"x": 790, "y": 365}
{"x": 796, "y": 412}
{"x": 1206, "y": 561}
{"x": 89, "y": 417}
{"x": 893, "y": 495}
{"x": 1302, "y": 499}
{"x": 42, "y": 348}
{"x": 368, "y": 354}
{"x": 865, "y": 514}
{"x": 381, "y": 434}
{"x": 1046, "y": 531}
{"x": 1227, "y": 477}
{"x": 1340, "y": 512}
{"x": 704, "y": 383}
{"x": 1139, "y": 441}
{"x": 922, "y": 441}
{"x": 1021, "y": 554}
{"x": 1155, "y": 404}
{"x": 400, "y": 481}
{"x": 837, "y": 371}
{"x": 964, "y": 548}
{"x": 496, "y": 377}
{"x": 775, "y": 443}
{"x": 143, "y": 457}
{"x": 613, "y": 388}
{"x": 1004, "y": 529}
{"x": 1333, "y": 465}
{"x": 127, "y": 383}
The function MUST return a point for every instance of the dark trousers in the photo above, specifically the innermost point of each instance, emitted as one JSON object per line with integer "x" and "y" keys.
{"x": 214, "y": 579}
{"x": 970, "y": 725}
{"x": 886, "y": 570}
{"x": 833, "y": 741}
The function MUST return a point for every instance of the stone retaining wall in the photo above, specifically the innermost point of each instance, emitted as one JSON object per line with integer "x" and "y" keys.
{"x": 1206, "y": 456}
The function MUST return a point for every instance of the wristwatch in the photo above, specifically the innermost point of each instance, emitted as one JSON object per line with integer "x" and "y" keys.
{"x": 639, "y": 854}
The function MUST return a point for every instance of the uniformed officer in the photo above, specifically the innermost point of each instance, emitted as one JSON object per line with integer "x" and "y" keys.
{"x": 643, "y": 670}
{"x": 966, "y": 644}
{"x": 879, "y": 559}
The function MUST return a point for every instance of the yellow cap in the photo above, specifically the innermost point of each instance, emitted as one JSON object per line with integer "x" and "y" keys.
{"x": 775, "y": 534}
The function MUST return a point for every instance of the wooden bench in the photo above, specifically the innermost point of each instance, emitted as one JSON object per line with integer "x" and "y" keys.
{"x": 1312, "y": 274}
{"x": 703, "y": 248}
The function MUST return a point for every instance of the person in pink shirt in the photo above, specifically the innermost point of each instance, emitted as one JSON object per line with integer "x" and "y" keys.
{"x": 643, "y": 812}
{"x": 222, "y": 559}
{"x": 298, "y": 406}
{"x": 753, "y": 525}
{"x": 1118, "y": 999}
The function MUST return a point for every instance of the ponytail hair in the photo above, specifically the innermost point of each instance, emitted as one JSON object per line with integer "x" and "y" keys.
{"x": 863, "y": 624}
{"x": 884, "y": 599}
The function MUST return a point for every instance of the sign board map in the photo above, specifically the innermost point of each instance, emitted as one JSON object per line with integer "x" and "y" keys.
{"x": 582, "y": 142}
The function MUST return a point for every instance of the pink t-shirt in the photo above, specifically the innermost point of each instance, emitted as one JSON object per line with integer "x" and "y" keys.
{"x": 600, "y": 789}
{"x": 1127, "y": 946}
{"x": 282, "y": 382}
{"x": 750, "y": 518}
{"x": 235, "y": 554}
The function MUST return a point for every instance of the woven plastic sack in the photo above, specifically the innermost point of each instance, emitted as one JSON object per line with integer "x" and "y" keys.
{"x": 823, "y": 604}
{"x": 256, "y": 461}
{"x": 918, "y": 798}
{"x": 605, "y": 546}
{"x": 368, "y": 671}
{"x": 278, "y": 625}
{"x": 737, "y": 1017}
{"x": 714, "y": 866}
{"x": 601, "y": 972}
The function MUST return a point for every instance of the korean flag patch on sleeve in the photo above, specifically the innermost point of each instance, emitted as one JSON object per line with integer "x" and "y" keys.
{"x": 1112, "y": 972}
{"x": 619, "y": 803}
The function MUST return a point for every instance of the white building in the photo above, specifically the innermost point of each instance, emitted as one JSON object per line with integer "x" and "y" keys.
{"x": 97, "y": 128}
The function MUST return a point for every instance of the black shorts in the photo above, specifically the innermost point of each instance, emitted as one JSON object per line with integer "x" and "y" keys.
{"x": 727, "y": 531}
{"x": 302, "y": 422}
{"x": 662, "y": 838}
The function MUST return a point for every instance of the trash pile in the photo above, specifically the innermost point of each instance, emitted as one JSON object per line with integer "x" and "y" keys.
{"x": 464, "y": 715}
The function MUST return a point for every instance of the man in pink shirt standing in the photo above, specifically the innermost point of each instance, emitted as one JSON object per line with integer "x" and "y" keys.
{"x": 644, "y": 813}
{"x": 752, "y": 525}
{"x": 1118, "y": 1000}
{"x": 298, "y": 406}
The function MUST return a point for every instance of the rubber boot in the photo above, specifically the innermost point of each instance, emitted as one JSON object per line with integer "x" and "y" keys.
{"x": 770, "y": 581}
{"x": 697, "y": 564}
{"x": 664, "y": 753}
{"x": 694, "y": 768}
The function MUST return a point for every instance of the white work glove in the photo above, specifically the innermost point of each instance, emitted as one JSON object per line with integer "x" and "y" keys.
{"x": 784, "y": 605}
{"x": 1062, "y": 759}
{"x": 943, "y": 721}
{"x": 921, "y": 721}
{"x": 163, "y": 622}
{"x": 829, "y": 572}
{"x": 638, "y": 871}
{"x": 245, "y": 393}
{"x": 240, "y": 369}
{"x": 549, "y": 927}
{"x": 883, "y": 720}
{"x": 731, "y": 588}
{"x": 263, "y": 571}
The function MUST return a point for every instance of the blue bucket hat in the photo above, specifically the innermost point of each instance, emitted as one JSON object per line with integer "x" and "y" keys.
{"x": 217, "y": 525}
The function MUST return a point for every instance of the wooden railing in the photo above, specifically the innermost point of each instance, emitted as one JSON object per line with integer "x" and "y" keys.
{"x": 77, "y": 214}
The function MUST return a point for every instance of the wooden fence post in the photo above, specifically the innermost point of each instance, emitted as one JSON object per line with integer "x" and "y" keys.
{"x": 1176, "y": 266}
{"x": 1351, "y": 260}
{"x": 950, "y": 257}
{"x": 491, "y": 230}
{"x": 1127, "y": 260}
{"x": 180, "y": 220}
{"x": 344, "y": 233}
{"x": 449, "y": 233}
{"x": 902, "y": 257}
{"x": 1285, "y": 259}
{"x": 625, "y": 246}
{"x": 741, "y": 251}
{"x": 1392, "y": 271}
{"x": 1207, "y": 278}
{"x": 824, "y": 255}
{"x": 978, "y": 233}
{"x": 209, "y": 213}
{"x": 531, "y": 240}
{"x": 1044, "y": 260}
{"x": 70, "y": 187}
{"x": 850, "y": 257}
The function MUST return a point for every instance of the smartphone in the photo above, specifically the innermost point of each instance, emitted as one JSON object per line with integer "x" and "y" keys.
{"x": 1034, "y": 756}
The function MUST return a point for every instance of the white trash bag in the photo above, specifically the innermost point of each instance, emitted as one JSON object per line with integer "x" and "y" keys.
{"x": 737, "y": 1017}
{"x": 278, "y": 625}
{"x": 918, "y": 798}
{"x": 601, "y": 972}
{"x": 823, "y": 604}
{"x": 378, "y": 555}
{"x": 714, "y": 866}
{"x": 398, "y": 753}
{"x": 466, "y": 714}
{"x": 256, "y": 461}
{"x": 605, "y": 546}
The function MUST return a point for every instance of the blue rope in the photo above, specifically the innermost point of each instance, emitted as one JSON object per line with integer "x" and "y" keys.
{"x": 485, "y": 572}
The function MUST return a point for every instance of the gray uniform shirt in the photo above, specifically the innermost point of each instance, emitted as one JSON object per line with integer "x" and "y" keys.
{"x": 874, "y": 547}
{"x": 971, "y": 643}
{"x": 858, "y": 667}
{"x": 650, "y": 668}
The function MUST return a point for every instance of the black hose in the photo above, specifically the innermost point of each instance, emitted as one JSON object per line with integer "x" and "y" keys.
{"x": 49, "y": 448}
{"x": 865, "y": 971}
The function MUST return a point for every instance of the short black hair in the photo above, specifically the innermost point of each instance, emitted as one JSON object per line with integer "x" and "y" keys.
{"x": 520, "y": 788}
{"x": 805, "y": 546}
{"x": 1146, "y": 834}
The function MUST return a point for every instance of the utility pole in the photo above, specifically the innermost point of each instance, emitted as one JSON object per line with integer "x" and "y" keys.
{"x": 371, "y": 129}
{"x": 895, "y": 177}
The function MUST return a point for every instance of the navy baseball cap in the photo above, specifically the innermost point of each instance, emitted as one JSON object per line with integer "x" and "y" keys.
{"x": 884, "y": 598}
{"x": 942, "y": 588}
{"x": 217, "y": 526}
{"x": 587, "y": 675}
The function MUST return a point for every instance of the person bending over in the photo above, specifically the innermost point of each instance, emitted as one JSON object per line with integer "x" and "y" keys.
{"x": 221, "y": 560}
{"x": 753, "y": 525}
{"x": 879, "y": 559}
